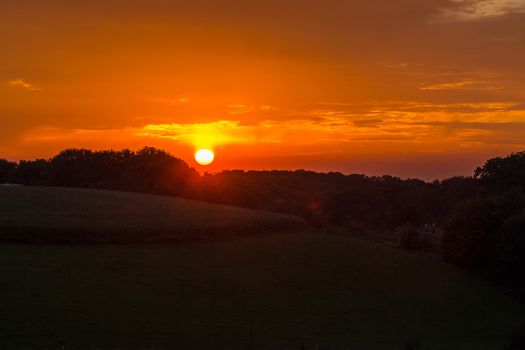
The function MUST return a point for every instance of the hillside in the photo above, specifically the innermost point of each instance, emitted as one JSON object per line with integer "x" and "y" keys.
{"x": 329, "y": 291}
{"x": 319, "y": 290}
{"x": 65, "y": 215}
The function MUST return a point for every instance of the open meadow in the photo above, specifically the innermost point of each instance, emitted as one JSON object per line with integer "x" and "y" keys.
{"x": 264, "y": 291}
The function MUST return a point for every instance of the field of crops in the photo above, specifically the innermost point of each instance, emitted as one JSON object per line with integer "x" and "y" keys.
{"x": 64, "y": 215}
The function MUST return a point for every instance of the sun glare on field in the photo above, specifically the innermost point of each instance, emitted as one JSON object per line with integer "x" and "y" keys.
{"x": 204, "y": 156}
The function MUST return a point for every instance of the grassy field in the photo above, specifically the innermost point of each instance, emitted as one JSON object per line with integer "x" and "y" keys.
{"x": 323, "y": 291}
{"x": 66, "y": 215}
{"x": 329, "y": 291}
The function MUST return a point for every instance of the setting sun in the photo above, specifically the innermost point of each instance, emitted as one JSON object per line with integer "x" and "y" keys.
{"x": 204, "y": 156}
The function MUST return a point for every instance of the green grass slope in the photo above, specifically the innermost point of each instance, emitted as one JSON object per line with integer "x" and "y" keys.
{"x": 66, "y": 215}
{"x": 327, "y": 292}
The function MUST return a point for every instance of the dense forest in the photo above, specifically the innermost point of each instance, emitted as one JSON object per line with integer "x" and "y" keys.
{"x": 476, "y": 222}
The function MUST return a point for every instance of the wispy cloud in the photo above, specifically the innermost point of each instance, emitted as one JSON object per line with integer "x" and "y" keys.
{"x": 463, "y": 85}
{"x": 388, "y": 127}
{"x": 394, "y": 123}
{"x": 464, "y": 10}
{"x": 238, "y": 109}
{"x": 364, "y": 123}
{"x": 200, "y": 134}
{"x": 23, "y": 84}
{"x": 171, "y": 100}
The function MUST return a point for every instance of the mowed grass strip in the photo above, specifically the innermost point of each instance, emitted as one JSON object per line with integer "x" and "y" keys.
{"x": 326, "y": 292}
{"x": 65, "y": 215}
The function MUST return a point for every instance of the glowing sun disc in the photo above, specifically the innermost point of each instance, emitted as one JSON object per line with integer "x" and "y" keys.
{"x": 204, "y": 156}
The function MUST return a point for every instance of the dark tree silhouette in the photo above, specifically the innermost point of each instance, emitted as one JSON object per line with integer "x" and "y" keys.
{"x": 7, "y": 170}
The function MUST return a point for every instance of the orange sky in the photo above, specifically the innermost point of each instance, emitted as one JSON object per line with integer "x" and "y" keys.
{"x": 413, "y": 88}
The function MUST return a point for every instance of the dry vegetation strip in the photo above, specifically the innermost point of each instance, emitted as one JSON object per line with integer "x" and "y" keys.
{"x": 63, "y": 215}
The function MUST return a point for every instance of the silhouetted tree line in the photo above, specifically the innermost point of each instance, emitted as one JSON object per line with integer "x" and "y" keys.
{"x": 477, "y": 222}
{"x": 148, "y": 170}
